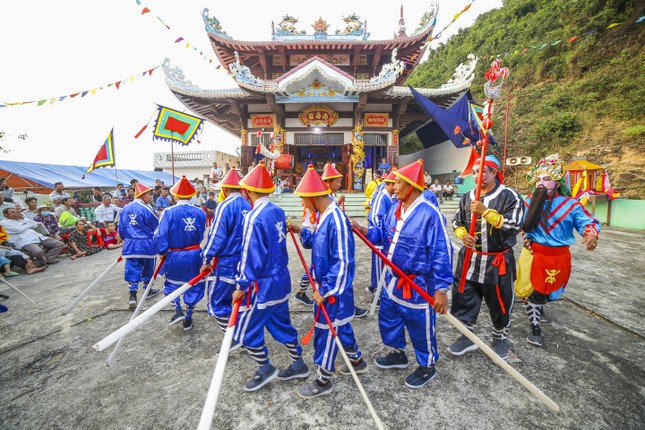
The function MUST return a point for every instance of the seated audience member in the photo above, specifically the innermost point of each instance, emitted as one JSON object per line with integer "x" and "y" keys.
{"x": 427, "y": 179}
{"x": 129, "y": 194}
{"x": 210, "y": 204}
{"x": 19, "y": 259}
{"x": 78, "y": 241}
{"x": 448, "y": 190}
{"x": 6, "y": 191}
{"x": 164, "y": 201}
{"x": 32, "y": 207}
{"x": 46, "y": 217}
{"x": 4, "y": 205}
{"x": 97, "y": 194}
{"x": 117, "y": 201}
{"x": 23, "y": 236}
{"x": 119, "y": 192}
{"x": 437, "y": 190}
{"x": 57, "y": 196}
{"x": 111, "y": 238}
{"x": 106, "y": 212}
{"x": 66, "y": 206}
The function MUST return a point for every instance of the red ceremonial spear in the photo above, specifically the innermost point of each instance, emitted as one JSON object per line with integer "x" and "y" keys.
{"x": 493, "y": 93}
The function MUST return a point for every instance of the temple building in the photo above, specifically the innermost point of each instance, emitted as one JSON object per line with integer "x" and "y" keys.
{"x": 327, "y": 96}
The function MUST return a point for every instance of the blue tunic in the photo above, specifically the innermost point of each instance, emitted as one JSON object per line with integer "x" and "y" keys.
{"x": 225, "y": 243}
{"x": 380, "y": 207}
{"x": 137, "y": 223}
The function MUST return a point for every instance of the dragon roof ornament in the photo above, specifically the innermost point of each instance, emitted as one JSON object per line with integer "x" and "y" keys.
{"x": 428, "y": 19}
{"x": 463, "y": 73}
{"x": 243, "y": 74}
{"x": 175, "y": 77}
{"x": 213, "y": 25}
{"x": 390, "y": 71}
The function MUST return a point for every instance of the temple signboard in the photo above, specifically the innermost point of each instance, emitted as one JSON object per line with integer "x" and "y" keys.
{"x": 264, "y": 120}
{"x": 335, "y": 59}
{"x": 318, "y": 115}
{"x": 376, "y": 119}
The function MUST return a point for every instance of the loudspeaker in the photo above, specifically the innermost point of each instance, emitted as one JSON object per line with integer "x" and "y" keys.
{"x": 525, "y": 160}
{"x": 513, "y": 161}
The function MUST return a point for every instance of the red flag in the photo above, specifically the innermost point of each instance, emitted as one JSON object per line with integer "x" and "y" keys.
{"x": 468, "y": 170}
{"x": 572, "y": 39}
{"x": 145, "y": 10}
{"x": 175, "y": 125}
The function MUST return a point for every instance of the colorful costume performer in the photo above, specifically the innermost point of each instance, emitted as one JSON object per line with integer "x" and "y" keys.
{"x": 225, "y": 243}
{"x": 264, "y": 276}
{"x": 381, "y": 204}
{"x": 137, "y": 224}
{"x": 332, "y": 246}
{"x": 545, "y": 261}
{"x": 178, "y": 237}
{"x": 415, "y": 240}
{"x": 491, "y": 271}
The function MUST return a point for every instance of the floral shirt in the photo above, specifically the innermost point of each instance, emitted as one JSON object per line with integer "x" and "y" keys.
{"x": 49, "y": 222}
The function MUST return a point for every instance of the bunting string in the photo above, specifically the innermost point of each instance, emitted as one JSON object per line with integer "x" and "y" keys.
{"x": 118, "y": 84}
{"x": 454, "y": 18}
{"x": 179, "y": 38}
{"x": 567, "y": 42}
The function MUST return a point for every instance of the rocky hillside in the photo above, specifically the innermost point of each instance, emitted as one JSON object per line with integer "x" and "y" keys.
{"x": 583, "y": 97}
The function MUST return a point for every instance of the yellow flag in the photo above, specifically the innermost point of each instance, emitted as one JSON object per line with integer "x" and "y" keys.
{"x": 615, "y": 24}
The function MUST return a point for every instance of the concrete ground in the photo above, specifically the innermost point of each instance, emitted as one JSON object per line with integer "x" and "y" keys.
{"x": 591, "y": 364}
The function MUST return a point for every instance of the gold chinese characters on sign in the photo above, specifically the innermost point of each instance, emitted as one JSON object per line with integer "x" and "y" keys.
{"x": 318, "y": 115}
{"x": 376, "y": 119}
{"x": 335, "y": 59}
{"x": 262, "y": 120}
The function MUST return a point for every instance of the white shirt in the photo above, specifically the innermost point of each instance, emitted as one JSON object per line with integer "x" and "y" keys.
{"x": 216, "y": 172}
{"x": 29, "y": 214}
{"x": 57, "y": 196}
{"x": 21, "y": 231}
{"x": 447, "y": 188}
{"x": 106, "y": 213}
{"x": 435, "y": 188}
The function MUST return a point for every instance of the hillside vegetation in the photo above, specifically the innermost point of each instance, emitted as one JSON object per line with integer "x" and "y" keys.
{"x": 583, "y": 99}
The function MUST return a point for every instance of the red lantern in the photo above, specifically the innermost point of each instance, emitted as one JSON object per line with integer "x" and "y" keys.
{"x": 259, "y": 133}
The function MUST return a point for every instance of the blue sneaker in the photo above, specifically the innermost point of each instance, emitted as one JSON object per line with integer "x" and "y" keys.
{"x": 420, "y": 377}
{"x": 259, "y": 380}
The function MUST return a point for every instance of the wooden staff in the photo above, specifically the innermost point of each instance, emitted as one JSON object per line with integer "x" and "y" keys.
{"x": 218, "y": 376}
{"x": 459, "y": 326}
{"x": 350, "y": 366}
{"x": 20, "y": 292}
{"x": 92, "y": 286}
{"x": 135, "y": 323}
{"x": 121, "y": 341}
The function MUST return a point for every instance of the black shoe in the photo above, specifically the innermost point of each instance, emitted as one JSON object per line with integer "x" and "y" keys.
{"x": 359, "y": 312}
{"x": 462, "y": 346}
{"x": 188, "y": 324}
{"x": 132, "y": 303}
{"x": 315, "y": 389}
{"x": 179, "y": 316}
{"x": 535, "y": 336}
{"x": 394, "y": 360}
{"x": 259, "y": 380}
{"x": 359, "y": 368}
{"x": 420, "y": 377}
{"x": 500, "y": 346}
{"x": 291, "y": 373}
{"x": 153, "y": 292}
{"x": 302, "y": 298}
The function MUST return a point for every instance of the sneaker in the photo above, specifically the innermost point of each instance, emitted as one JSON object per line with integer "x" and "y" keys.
{"x": 359, "y": 312}
{"x": 359, "y": 368}
{"x": 303, "y": 299}
{"x": 394, "y": 360}
{"x": 315, "y": 389}
{"x": 500, "y": 346}
{"x": 179, "y": 316}
{"x": 153, "y": 292}
{"x": 132, "y": 303}
{"x": 3, "y": 308}
{"x": 420, "y": 377}
{"x": 462, "y": 346}
{"x": 188, "y": 324}
{"x": 291, "y": 373}
{"x": 535, "y": 336}
{"x": 259, "y": 380}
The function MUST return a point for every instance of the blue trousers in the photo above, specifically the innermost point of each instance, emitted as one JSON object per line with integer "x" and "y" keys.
{"x": 191, "y": 297}
{"x": 252, "y": 321}
{"x": 394, "y": 318}
{"x": 137, "y": 270}
{"x": 220, "y": 289}
{"x": 377, "y": 268}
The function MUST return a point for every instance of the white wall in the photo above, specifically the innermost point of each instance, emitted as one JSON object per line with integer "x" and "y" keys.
{"x": 439, "y": 159}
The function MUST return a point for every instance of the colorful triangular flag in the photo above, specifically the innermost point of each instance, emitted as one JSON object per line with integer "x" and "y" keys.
{"x": 105, "y": 156}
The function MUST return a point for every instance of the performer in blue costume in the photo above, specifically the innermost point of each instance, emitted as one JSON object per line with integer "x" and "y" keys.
{"x": 137, "y": 224}
{"x": 264, "y": 284}
{"x": 333, "y": 266}
{"x": 381, "y": 204}
{"x": 544, "y": 265}
{"x": 225, "y": 243}
{"x": 491, "y": 269}
{"x": 415, "y": 239}
{"x": 178, "y": 237}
